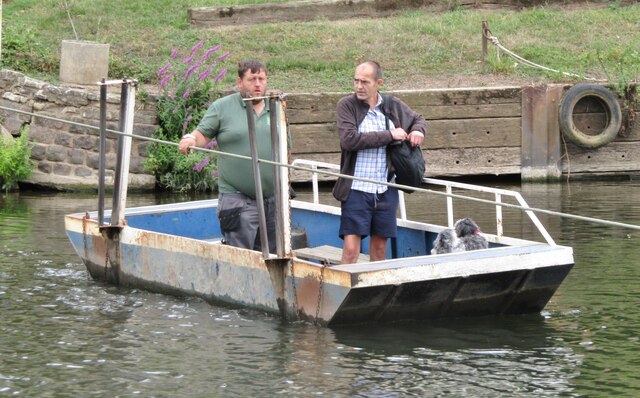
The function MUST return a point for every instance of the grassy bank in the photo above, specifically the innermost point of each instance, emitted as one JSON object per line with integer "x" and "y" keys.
{"x": 417, "y": 49}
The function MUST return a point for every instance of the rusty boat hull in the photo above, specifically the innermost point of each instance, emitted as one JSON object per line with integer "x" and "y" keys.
{"x": 175, "y": 249}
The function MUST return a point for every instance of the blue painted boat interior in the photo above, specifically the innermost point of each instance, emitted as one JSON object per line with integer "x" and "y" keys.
{"x": 317, "y": 227}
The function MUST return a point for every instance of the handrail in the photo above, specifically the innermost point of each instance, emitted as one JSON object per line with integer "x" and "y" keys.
{"x": 291, "y": 166}
{"x": 449, "y": 185}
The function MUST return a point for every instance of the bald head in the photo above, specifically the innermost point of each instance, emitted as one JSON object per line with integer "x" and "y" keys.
{"x": 372, "y": 66}
{"x": 366, "y": 81}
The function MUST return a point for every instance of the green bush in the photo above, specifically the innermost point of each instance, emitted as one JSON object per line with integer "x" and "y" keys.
{"x": 187, "y": 82}
{"x": 15, "y": 163}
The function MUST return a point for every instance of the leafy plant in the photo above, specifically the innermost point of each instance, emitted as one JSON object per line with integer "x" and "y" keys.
{"x": 15, "y": 162}
{"x": 195, "y": 172}
{"x": 22, "y": 51}
{"x": 186, "y": 83}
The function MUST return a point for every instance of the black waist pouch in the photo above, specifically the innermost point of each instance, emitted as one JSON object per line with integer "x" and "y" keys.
{"x": 229, "y": 219}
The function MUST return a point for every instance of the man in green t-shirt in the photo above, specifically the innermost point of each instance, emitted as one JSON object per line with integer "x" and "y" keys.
{"x": 226, "y": 121}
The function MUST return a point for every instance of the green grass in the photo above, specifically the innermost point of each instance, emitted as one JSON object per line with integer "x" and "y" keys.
{"x": 415, "y": 47}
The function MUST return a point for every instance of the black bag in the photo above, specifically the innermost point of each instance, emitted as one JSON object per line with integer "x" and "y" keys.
{"x": 407, "y": 163}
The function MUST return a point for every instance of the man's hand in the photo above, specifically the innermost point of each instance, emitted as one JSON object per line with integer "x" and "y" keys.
{"x": 186, "y": 142}
{"x": 416, "y": 138}
{"x": 398, "y": 134}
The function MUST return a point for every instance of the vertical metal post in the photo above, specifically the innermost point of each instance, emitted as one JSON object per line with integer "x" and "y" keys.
{"x": 449, "y": 207}
{"x": 101, "y": 159}
{"x": 499, "y": 228}
{"x": 124, "y": 151}
{"x": 401, "y": 205}
{"x": 314, "y": 182}
{"x": 258, "y": 181}
{"x": 275, "y": 154}
{"x": 283, "y": 147}
{"x": 485, "y": 28}
{"x": 115, "y": 208}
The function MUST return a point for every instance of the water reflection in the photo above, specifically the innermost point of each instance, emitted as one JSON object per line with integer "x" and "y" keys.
{"x": 63, "y": 334}
{"x": 479, "y": 357}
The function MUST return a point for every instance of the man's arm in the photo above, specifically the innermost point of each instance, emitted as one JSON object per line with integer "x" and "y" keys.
{"x": 413, "y": 122}
{"x": 350, "y": 139}
{"x": 196, "y": 138}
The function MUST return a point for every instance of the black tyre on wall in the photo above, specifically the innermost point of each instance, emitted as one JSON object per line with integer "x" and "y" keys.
{"x": 609, "y": 103}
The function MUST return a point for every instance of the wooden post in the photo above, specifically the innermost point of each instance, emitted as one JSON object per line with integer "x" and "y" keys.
{"x": 540, "y": 156}
{"x": 485, "y": 29}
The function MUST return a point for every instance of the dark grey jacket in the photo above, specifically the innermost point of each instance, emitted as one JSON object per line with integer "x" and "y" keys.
{"x": 350, "y": 112}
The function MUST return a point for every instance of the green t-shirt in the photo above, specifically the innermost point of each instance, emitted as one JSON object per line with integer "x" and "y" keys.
{"x": 226, "y": 122}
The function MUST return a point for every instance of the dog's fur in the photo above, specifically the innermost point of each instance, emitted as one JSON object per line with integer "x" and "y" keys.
{"x": 469, "y": 233}
{"x": 447, "y": 242}
{"x": 464, "y": 237}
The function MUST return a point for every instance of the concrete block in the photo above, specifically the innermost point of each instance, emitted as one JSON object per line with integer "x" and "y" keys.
{"x": 83, "y": 62}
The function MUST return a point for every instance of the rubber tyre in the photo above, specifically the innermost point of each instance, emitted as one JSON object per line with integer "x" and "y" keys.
{"x": 611, "y": 107}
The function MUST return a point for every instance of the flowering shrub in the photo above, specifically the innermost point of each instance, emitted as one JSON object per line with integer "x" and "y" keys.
{"x": 15, "y": 163}
{"x": 186, "y": 83}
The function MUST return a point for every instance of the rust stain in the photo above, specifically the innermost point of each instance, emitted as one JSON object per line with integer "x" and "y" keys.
{"x": 307, "y": 291}
{"x": 99, "y": 252}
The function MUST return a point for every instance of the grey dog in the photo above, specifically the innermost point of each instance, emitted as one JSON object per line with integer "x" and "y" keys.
{"x": 464, "y": 237}
{"x": 469, "y": 233}
{"x": 447, "y": 242}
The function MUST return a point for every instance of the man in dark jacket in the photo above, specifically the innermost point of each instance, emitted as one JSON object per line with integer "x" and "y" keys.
{"x": 369, "y": 208}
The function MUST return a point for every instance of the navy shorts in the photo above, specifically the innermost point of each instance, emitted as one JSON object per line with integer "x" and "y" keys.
{"x": 367, "y": 214}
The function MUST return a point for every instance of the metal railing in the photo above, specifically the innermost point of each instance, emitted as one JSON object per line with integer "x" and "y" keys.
{"x": 315, "y": 168}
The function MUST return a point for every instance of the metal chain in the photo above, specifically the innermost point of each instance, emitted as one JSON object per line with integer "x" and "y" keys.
{"x": 84, "y": 235}
{"x": 293, "y": 284}
{"x": 106, "y": 262}
{"x": 320, "y": 289}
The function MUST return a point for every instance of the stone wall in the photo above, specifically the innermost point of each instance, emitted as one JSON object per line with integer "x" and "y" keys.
{"x": 66, "y": 155}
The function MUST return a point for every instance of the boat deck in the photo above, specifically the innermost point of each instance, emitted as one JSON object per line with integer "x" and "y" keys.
{"x": 329, "y": 255}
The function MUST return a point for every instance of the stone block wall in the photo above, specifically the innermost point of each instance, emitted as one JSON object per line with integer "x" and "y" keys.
{"x": 67, "y": 154}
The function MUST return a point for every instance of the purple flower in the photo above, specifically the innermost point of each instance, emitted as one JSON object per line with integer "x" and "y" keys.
{"x": 202, "y": 164}
{"x": 210, "y": 51}
{"x": 220, "y": 75}
{"x": 188, "y": 60}
{"x": 191, "y": 69}
{"x": 222, "y": 57}
{"x": 174, "y": 53}
{"x": 211, "y": 144}
{"x": 164, "y": 69}
{"x": 165, "y": 80}
{"x": 205, "y": 74}
{"x": 197, "y": 47}
{"x": 186, "y": 94}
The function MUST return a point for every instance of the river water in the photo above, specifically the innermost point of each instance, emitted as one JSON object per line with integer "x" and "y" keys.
{"x": 64, "y": 335}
